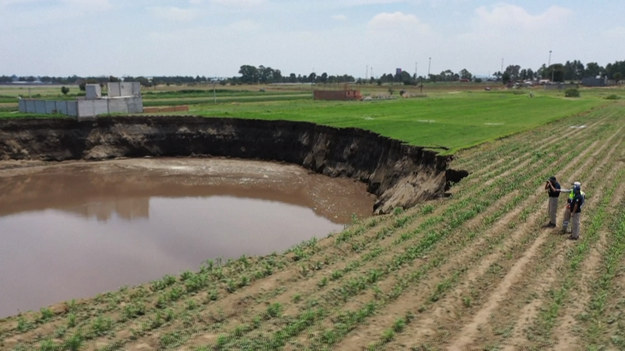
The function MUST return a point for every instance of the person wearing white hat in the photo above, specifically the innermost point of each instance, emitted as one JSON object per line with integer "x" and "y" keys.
{"x": 576, "y": 210}
{"x": 567, "y": 211}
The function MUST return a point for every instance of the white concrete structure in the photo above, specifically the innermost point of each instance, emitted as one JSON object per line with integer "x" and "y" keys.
{"x": 123, "y": 97}
{"x": 93, "y": 91}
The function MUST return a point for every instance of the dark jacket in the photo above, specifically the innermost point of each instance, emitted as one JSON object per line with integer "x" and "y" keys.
{"x": 551, "y": 192}
{"x": 578, "y": 200}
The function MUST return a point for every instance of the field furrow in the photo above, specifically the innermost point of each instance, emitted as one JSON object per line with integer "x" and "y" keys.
{"x": 544, "y": 275}
{"x": 418, "y": 304}
{"x": 488, "y": 262}
{"x": 476, "y": 270}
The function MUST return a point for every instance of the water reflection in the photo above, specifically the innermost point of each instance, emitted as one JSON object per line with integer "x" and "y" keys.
{"x": 75, "y": 230}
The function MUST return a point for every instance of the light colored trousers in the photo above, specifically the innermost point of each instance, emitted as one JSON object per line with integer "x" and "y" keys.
{"x": 575, "y": 224}
{"x": 553, "y": 207}
{"x": 567, "y": 218}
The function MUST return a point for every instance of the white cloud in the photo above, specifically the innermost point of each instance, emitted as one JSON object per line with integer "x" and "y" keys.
{"x": 88, "y": 5}
{"x": 397, "y": 21}
{"x": 517, "y": 18}
{"x": 515, "y": 35}
{"x": 335, "y": 36}
{"x": 7, "y": 3}
{"x": 243, "y": 26}
{"x": 616, "y": 33}
{"x": 367, "y": 2}
{"x": 173, "y": 13}
{"x": 239, "y": 3}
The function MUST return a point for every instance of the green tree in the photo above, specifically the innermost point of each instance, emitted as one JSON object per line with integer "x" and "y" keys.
{"x": 612, "y": 69}
{"x": 593, "y": 70}
{"x": 64, "y": 90}
{"x": 323, "y": 78}
{"x": 249, "y": 74}
{"x": 573, "y": 70}
{"x": 555, "y": 72}
{"x": 403, "y": 77}
{"x": 465, "y": 74}
{"x": 513, "y": 72}
{"x": 449, "y": 76}
{"x": 145, "y": 82}
{"x": 506, "y": 78}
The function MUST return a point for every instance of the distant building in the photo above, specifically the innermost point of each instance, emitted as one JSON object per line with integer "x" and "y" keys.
{"x": 123, "y": 97}
{"x": 346, "y": 94}
{"x": 594, "y": 82}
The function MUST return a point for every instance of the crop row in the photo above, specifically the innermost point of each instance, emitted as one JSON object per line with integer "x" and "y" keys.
{"x": 319, "y": 292}
{"x": 353, "y": 285}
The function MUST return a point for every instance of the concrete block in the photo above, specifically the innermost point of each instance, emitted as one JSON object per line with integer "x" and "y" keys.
{"x": 72, "y": 108}
{"x": 93, "y": 91}
{"x": 50, "y": 107}
{"x": 118, "y": 105}
{"x": 92, "y": 108}
{"x": 61, "y": 107}
{"x": 113, "y": 89}
{"x": 40, "y": 106}
{"x": 119, "y": 89}
{"x": 30, "y": 106}
{"x": 135, "y": 104}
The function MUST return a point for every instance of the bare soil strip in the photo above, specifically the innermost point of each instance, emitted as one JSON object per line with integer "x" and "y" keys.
{"x": 412, "y": 303}
{"x": 473, "y": 271}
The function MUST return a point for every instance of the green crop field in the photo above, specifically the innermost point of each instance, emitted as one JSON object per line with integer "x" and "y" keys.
{"x": 475, "y": 271}
{"x": 445, "y": 117}
{"x": 453, "y": 121}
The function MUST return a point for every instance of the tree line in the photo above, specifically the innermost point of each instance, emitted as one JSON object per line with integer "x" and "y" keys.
{"x": 569, "y": 71}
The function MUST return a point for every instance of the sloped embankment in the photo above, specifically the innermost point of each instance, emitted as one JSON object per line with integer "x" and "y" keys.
{"x": 398, "y": 174}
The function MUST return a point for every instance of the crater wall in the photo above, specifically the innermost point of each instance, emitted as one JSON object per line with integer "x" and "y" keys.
{"x": 399, "y": 175}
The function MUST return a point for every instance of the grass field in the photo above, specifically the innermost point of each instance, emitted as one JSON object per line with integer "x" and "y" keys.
{"x": 453, "y": 121}
{"x": 446, "y": 116}
{"x": 475, "y": 271}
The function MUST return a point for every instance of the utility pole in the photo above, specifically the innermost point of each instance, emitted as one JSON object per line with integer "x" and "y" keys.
{"x": 549, "y": 62}
{"x": 549, "y": 65}
{"x": 214, "y": 92}
{"x": 429, "y": 65}
{"x": 415, "y": 71}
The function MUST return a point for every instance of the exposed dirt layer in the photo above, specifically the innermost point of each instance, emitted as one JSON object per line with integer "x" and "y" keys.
{"x": 476, "y": 271}
{"x": 400, "y": 175}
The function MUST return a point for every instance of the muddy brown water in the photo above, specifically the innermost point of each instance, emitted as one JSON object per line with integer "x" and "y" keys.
{"x": 75, "y": 229}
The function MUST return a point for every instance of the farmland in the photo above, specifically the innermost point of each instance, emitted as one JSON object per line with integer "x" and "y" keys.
{"x": 476, "y": 270}
{"x": 446, "y": 118}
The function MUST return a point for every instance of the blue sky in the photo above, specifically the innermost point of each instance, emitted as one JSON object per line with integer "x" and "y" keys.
{"x": 356, "y": 37}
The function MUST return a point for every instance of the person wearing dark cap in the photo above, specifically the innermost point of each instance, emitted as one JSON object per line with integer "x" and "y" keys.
{"x": 552, "y": 187}
{"x": 576, "y": 210}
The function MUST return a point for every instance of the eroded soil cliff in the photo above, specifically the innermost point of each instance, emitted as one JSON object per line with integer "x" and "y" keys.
{"x": 398, "y": 174}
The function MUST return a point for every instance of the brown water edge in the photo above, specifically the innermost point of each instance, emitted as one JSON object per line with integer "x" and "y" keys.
{"x": 75, "y": 229}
